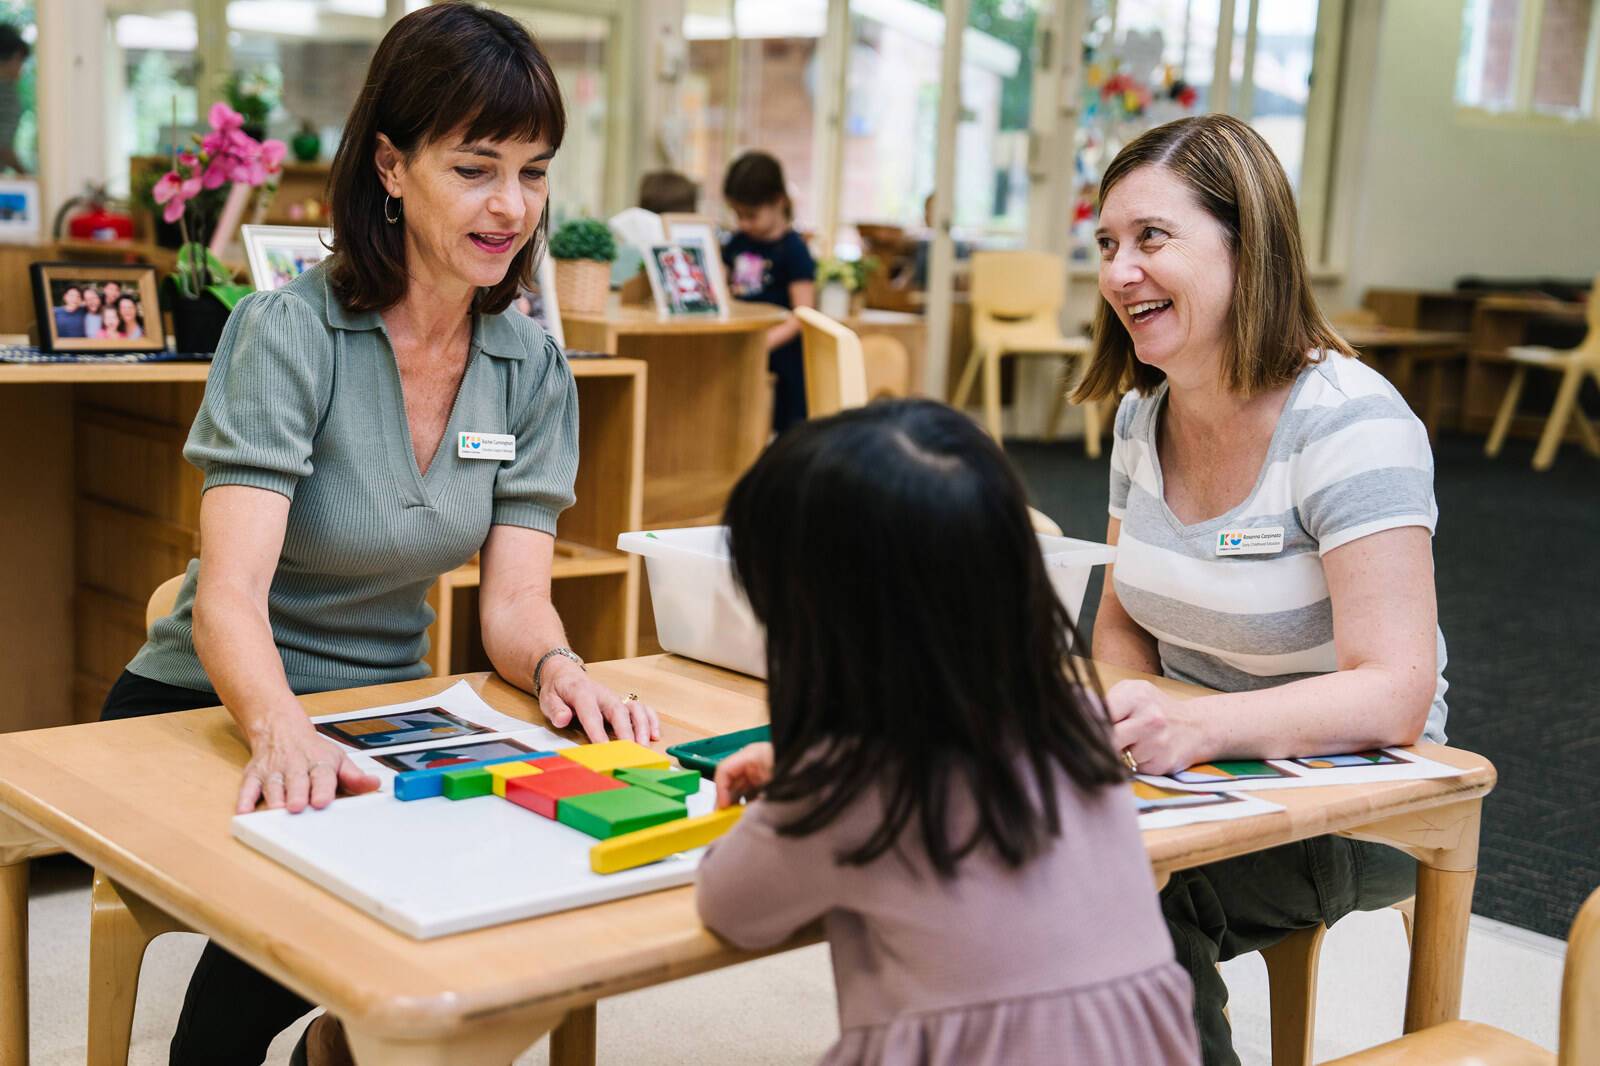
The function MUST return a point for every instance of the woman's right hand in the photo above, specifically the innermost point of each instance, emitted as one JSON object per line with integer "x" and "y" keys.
{"x": 290, "y": 766}
{"x": 744, "y": 773}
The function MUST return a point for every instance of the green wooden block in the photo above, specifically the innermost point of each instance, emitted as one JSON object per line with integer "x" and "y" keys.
{"x": 607, "y": 814}
{"x": 465, "y": 784}
{"x": 674, "y": 784}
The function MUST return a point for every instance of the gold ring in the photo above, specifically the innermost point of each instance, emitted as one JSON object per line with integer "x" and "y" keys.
{"x": 1130, "y": 761}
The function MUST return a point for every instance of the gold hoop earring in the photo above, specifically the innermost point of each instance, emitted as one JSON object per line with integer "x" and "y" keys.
{"x": 386, "y": 217}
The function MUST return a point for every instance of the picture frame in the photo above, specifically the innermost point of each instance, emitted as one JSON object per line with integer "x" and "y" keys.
{"x": 65, "y": 321}
{"x": 680, "y": 281}
{"x": 539, "y": 303}
{"x": 279, "y": 254}
{"x": 19, "y": 210}
{"x": 701, "y": 229}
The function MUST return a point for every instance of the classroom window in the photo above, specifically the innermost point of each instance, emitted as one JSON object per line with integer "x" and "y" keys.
{"x": 1529, "y": 57}
{"x": 1151, "y": 61}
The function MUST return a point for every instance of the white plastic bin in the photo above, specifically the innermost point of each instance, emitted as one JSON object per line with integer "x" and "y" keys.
{"x": 702, "y": 614}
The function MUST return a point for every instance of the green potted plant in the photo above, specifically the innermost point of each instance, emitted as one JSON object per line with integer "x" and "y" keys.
{"x": 841, "y": 284}
{"x": 583, "y": 249}
{"x": 202, "y": 290}
{"x": 253, "y": 95}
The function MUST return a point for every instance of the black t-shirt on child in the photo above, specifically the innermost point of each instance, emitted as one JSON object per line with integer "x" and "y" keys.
{"x": 762, "y": 270}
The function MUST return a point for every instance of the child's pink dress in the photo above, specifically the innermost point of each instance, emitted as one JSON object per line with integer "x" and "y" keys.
{"x": 1063, "y": 962}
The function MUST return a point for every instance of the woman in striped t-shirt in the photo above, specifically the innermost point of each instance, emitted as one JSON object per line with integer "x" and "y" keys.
{"x": 1272, "y": 503}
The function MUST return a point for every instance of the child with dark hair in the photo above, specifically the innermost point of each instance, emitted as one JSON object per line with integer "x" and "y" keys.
{"x": 14, "y": 53}
{"x": 941, "y": 787}
{"x": 667, "y": 192}
{"x": 769, "y": 263}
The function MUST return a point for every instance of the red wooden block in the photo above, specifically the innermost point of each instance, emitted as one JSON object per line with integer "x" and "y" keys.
{"x": 542, "y": 791}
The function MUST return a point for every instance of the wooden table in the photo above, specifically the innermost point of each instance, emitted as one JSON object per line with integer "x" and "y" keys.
{"x": 148, "y": 803}
{"x": 709, "y": 408}
{"x": 1402, "y": 350}
{"x": 100, "y": 507}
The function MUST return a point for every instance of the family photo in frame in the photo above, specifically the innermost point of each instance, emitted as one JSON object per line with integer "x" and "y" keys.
{"x": 95, "y": 307}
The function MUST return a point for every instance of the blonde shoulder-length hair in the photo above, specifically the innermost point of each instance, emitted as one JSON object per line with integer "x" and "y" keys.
{"x": 1274, "y": 325}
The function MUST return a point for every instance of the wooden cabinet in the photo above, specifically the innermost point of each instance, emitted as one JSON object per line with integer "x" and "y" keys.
{"x": 101, "y": 508}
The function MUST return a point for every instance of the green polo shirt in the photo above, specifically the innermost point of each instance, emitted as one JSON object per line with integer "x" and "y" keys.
{"x": 304, "y": 399}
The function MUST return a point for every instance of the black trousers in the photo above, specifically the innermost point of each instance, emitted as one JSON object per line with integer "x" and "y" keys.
{"x": 232, "y": 1011}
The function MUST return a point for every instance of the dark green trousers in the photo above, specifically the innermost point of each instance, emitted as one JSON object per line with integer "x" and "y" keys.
{"x": 1231, "y": 908}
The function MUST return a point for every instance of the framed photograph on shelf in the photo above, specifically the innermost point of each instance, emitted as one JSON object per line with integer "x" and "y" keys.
{"x": 680, "y": 281}
{"x": 701, "y": 230}
{"x": 279, "y": 254}
{"x": 97, "y": 307}
{"x": 539, "y": 302}
{"x": 19, "y": 210}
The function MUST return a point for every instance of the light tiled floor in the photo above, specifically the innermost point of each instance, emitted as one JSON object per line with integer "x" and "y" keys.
{"x": 781, "y": 1010}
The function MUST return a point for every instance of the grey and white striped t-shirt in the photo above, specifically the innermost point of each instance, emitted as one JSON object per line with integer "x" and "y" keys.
{"x": 1348, "y": 459}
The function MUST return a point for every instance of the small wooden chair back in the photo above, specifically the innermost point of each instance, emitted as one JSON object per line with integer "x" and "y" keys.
{"x": 836, "y": 375}
{"x": 1590, "y": 348}
{"x": 888, "y": 366}
{"x": 161, "y": 600}
{"x": 1580, "y": 983}
{"x": 1016, "y": 300}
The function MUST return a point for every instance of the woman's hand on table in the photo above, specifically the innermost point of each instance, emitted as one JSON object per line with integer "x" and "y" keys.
{"x": 568, "y": 692}
{"x": 291, "y": 766}
{"x": 744, "y": 773}
{"x": 1157, "y": 729}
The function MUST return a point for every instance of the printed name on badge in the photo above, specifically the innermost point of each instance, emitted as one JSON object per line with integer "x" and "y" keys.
{"x": 1265, "y": 540}
{"x": 498, "y": 446}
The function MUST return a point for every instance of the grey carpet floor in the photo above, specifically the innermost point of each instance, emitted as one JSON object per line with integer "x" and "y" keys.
{"x": 1517, "y": 559}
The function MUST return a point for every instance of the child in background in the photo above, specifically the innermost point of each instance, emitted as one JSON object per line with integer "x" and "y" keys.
{"x": 769, "y": 263}
{"x": 941, "y": 787}
{"x": 667, "y": 192}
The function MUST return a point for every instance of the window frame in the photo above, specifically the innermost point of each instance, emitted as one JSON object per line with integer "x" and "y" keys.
{"x": 1523, "y": 110}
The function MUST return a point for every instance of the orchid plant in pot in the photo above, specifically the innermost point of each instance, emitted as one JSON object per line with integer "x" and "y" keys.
{"x": 203, "y": 289}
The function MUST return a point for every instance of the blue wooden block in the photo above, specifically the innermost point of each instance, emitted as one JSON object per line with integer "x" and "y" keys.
{"x": 424, "y": 784}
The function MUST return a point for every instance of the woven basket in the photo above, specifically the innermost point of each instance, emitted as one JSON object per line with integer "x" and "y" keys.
{"x": 582, "y": 285}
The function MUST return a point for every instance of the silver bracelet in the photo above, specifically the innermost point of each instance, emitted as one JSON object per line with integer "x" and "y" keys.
{"x": 538, "y": 669}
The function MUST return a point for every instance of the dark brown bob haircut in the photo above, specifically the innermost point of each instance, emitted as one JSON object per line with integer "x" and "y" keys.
{"x": 1275, "y": 327}
{"x": 448, "y": 69}
{"x": 755, "y": 179}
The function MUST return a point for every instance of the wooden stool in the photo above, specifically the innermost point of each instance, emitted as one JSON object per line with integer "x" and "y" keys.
{"x": 1475, "y": 1044}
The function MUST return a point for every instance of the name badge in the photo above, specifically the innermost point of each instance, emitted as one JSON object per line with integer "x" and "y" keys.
{"x": 1264, "y": 540}
{"x": 497, "y": 446}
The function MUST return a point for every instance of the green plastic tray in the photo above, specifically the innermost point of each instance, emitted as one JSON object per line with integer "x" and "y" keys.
{"x": 703, "y": 755}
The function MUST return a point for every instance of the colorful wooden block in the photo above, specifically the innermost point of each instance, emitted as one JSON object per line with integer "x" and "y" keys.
{"x": 541, "y": 792}
{"x": 465, "y": 784}
{"x": 614, "y": 755}
{"x": 624, "y": 810}
{"x": 657, "y": 842}
{"x": 424, "y": 784}
{"x": 670, "y": 783}
{"x": 505, "y": 771}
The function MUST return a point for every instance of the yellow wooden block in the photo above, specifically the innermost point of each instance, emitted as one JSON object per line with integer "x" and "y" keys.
{"x": 656, "y": 843}
{"x": 616, "y": 755}
{"x": 505, "y": 771}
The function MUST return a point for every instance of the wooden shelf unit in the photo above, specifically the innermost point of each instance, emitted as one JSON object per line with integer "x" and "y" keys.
{"x": 103, "y": 508}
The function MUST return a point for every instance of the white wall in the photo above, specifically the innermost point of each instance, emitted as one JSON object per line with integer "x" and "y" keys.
{"x": 1439, "y": 194}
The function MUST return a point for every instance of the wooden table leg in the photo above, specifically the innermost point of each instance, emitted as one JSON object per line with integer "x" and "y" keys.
{"x": 574, "y": 1042}
{"x": 14, "y": 964}
{"x": 1444, "y": 841}
{"x": 492, "y": 1041}
{"x": 18, "y": 844}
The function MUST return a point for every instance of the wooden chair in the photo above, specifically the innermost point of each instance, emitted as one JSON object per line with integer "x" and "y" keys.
{"x": 1461, "y": 1043}
{"x": 121, "y": 927}
{"x": 1573, "y": 364}
{"x": 1016, "y": 304}
{"x": 836, "y": 378}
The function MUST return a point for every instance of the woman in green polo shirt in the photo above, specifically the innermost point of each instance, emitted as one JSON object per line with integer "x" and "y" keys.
{"x": 336, "y": 437}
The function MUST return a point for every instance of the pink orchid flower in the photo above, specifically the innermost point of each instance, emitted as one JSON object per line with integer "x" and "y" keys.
{"x": 272, "y": 153}
{"x": 175, "y": 192}
{"x": 224, "y": 118}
